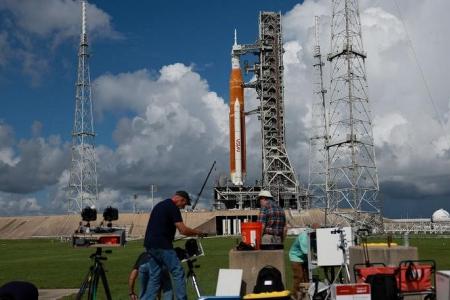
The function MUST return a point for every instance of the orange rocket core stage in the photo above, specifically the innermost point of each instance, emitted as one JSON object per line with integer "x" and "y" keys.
{"x": 237, "y": 143}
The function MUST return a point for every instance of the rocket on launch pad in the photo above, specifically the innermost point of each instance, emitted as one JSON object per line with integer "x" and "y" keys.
{"x": 237, "y": 120}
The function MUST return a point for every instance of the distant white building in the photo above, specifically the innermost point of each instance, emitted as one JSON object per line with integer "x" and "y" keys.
{"x": 440, "y": 215}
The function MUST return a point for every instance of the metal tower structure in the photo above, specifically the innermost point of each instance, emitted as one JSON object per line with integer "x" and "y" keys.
{"x": 318, "y": 155}
{"x": 278, "y": 175}
{"x": 82, "y": 190}
{"x": 352, "y": 181}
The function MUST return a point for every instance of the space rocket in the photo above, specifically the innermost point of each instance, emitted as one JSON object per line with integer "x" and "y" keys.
{"x": 237, "y": 120}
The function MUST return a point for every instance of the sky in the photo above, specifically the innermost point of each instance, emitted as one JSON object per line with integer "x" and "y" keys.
{"x": 160, "y": 71}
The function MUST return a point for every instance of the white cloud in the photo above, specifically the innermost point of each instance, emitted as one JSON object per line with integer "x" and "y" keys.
{"x": 30, "y": 165}
{"x": 178, "y": 127}
{"x": 384, "y": 129}
{"x": 7, "y": 157}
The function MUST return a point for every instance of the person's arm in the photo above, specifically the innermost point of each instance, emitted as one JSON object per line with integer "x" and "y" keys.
{"x": 131, "y": 282}
{"x": 262, "y": 217}
{"x": 187, "y": 231}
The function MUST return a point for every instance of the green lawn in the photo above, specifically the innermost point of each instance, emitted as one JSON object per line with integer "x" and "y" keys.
{"x": 52, "y": 264}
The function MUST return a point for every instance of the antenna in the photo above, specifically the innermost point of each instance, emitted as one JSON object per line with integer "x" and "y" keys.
{"x": 83, "y": 189}
{"x": 83, "y": 17}
{"x": 318, "y": 155}
{"x": 316, "y": 31}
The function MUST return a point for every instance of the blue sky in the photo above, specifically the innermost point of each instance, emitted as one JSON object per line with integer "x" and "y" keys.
{"x": 151, "y": 60}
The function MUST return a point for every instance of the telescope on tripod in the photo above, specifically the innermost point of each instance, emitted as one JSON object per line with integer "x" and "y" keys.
{"x": 99, "y": 237}
{"x": 192, "y": 250}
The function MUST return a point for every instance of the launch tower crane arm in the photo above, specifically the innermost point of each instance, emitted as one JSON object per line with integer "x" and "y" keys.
{"x": 203, "y": 186}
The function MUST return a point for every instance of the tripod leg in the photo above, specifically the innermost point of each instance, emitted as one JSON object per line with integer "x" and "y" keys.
{"x": 105, "y": 282}
{"x": 86, "y": 282}
{"x": 195, "y": 285}
{"x": 348, "y": 273}
{"x": 92, "y": 289}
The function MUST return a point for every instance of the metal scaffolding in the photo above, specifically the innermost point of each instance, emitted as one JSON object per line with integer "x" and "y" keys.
{"x": 318, "y": 154}
{"x": 82, "y": 189}
{"x": 352, "y": 181}
{"x": 278, "y": 175}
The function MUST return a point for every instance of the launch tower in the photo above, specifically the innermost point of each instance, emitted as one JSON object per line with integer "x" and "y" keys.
{"x": 278, "y": 175}
{"x": 352, "y": 180}
{"x": 82, "y": 189}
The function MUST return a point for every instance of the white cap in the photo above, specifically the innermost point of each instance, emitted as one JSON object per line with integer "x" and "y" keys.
{"x": 265, "y": 194}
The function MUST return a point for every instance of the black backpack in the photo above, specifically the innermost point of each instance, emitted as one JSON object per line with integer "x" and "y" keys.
{"x": 268, "y": 280}
{"x": 383, "y": 287}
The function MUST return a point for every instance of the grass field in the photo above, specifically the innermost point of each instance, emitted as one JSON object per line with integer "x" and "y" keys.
{"x": 52, "y": 264}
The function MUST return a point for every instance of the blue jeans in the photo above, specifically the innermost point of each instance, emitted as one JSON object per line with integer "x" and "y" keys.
{"x": 165, "y": 258}
{"x": 144, "y": 278}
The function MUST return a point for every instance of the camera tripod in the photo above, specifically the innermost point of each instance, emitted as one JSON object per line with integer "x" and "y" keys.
{"x": 95, "y": 272}
{"x": 191, "y": 274}
{"x": 344, "y": 266}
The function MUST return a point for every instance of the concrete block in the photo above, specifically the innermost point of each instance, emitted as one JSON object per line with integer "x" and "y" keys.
{"x": 253, "y": 261}
{"x": 382, "y": 254}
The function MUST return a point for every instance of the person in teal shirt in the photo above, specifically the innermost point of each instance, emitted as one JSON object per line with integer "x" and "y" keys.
{"x": 298, "y": 255}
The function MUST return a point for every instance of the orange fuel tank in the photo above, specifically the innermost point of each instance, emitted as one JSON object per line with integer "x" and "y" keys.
{"x": 237, "y": 123}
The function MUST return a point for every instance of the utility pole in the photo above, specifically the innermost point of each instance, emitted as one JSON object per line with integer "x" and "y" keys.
{"x": 352, "y": 179}
{"x": 83, "y": 189}
{"x": 153, "y": 188}
{"x": 134, "y": 203}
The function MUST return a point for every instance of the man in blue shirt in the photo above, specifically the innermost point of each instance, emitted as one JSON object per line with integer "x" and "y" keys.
{"x": 165, "y": 219}
{"x": 140, "y": 269}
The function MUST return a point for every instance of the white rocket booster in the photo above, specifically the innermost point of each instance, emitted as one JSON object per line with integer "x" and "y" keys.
{"x": 237, "y": 176}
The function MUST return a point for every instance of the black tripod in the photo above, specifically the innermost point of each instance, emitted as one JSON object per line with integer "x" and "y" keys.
{"x": 95, "y": 272}
{"x": 191, "y": 274}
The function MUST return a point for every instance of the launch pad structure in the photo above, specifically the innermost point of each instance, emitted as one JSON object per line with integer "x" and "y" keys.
{"x": 278, "y": 175}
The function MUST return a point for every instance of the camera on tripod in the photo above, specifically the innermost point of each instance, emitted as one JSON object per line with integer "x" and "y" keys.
{"x": 100, "y": 236}
{"x": 192, "y": 249}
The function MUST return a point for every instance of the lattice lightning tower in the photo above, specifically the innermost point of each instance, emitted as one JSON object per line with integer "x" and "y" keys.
{"x": 319, "y": 136}
{"x": 352, "y": 181}
{"x": 82, "y": 190}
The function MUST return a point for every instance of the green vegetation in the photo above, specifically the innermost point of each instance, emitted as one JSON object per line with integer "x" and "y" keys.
{"x": 52, "y": 264}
